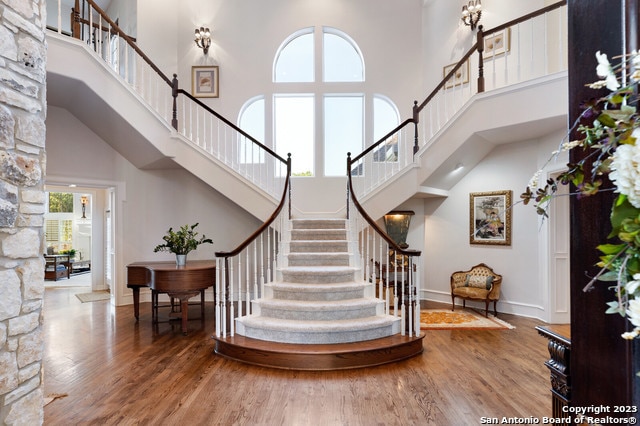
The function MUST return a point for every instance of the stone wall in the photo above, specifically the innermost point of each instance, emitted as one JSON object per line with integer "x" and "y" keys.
{"x": 22, "y": 204}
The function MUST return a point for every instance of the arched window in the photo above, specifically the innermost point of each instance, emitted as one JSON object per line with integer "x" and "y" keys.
{"x": 295, "y": 58}
{"x": 251, "y": 120}
{"x": 314, "y": 119}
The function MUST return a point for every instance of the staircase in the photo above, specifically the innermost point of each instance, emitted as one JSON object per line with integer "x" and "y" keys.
{"x": 321, "y": 299}
{"x": 322, "y": 315}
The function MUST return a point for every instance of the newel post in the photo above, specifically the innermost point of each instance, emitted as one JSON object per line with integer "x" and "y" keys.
{"x": 416, "y": 120}
{"x": 75, "y": 20}
{"x": 174, "y": 93}
{"x": 480, "y": 44}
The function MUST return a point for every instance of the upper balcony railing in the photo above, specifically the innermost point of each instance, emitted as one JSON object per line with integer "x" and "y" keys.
{"x": 524, "y": 49}
{"x": 194, "y": 121}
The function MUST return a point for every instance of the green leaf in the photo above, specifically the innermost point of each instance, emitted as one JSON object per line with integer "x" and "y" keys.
{"x": 611, "y": 249}
{"x": 621, "y": 210}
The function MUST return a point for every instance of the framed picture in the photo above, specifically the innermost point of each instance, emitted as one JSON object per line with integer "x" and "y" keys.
{"x": 490, "y": 218}
{"x": 460, "y": 77}
{"x": 497, "y": 44}
{"x": 204, "y": 81}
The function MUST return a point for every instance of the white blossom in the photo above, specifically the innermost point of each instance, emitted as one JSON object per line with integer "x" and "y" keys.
{"x": 604, "y": 70}
{"x": 633, "y": 312}
{"x": 533, "y": 182}
{"x": 625, "y": 171}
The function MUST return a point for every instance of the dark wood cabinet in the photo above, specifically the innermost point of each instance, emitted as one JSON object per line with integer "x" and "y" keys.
{"x": 57, "y": 266}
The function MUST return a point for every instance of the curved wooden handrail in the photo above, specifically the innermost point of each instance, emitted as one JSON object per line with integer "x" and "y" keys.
{"x": 368, "y": 218}
{"x": 268, "y": 222}
{"x": 230, "y": 124}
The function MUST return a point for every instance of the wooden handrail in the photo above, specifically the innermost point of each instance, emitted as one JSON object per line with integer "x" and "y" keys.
{"x": 368, "y": 218}
{"x": 228, "y": 123}
{"x": 268, "y": 222}
{"x": 383, "y": 139}
{"x": 526, "y": 17}
{"x": 122, "y": 34}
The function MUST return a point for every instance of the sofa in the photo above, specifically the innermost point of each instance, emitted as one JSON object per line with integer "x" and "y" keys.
{"x": 478, "y": 283}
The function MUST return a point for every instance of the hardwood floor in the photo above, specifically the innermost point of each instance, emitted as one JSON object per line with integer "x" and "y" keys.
{"x": 119, "y": 371}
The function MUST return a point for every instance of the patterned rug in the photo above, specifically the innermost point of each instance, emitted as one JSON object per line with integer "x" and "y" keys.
{"x": 445, "y": 319}
{"x": 93, "y": 296}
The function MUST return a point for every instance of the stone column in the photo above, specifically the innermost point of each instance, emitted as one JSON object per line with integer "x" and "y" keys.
{"x": 22, "y": 205}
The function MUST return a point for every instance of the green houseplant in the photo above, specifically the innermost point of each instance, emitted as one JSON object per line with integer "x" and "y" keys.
{"x": 181, "y": 242}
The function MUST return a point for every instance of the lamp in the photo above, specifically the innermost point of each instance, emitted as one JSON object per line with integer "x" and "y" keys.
{"x": 397, "y": 224}
{"x": 471, "y": 13}
{"x": 203, "y": 38}
{"x": 84, "y": 200}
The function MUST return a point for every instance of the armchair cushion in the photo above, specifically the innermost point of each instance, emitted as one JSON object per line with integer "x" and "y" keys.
{"x": 478, "y": 281}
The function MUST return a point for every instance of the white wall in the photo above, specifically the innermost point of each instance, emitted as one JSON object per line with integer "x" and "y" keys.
{"x": 447, "y": 248}
{"x": 153, "y": 200}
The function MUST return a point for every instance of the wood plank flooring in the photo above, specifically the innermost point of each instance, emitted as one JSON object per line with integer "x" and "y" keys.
{"x": 117, "y": 371}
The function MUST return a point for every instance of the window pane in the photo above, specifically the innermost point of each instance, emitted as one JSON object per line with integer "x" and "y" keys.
{"x": 294, "y": 118}
{"x": 343, "y": 132}
{"x": 341, "y": 60}
{"x": 385, "y": 119}
{"x": 294, "y": 62}
{"x": 252, "y": 121}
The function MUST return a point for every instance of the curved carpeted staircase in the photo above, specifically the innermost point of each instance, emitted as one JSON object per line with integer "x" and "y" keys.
{"x": 321, "y": 314}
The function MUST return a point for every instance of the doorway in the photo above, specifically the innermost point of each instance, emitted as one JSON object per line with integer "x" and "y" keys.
{"x": 75, "y": 242}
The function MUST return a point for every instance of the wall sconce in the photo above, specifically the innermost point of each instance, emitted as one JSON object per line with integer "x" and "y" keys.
{"x": 84, "y": 200}
{"x": 471, "y": 13}
{"x": 203, "y": 38}
{"x": 397, "y": 224}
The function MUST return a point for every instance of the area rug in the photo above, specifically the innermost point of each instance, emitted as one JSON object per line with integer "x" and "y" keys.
{"x": 445, "y": 319}
{"x": 93, "y": 296}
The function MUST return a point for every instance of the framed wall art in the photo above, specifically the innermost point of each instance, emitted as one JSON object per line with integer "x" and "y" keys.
{"x": 460, "y": 77}
{"x": 204, "y": 81}
{"x": 497, "y": 44}
{"x": 490, "y": 218}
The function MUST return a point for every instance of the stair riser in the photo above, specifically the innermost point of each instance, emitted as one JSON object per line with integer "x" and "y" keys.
{"x": 326, "y": 315}
{"x": 318, "y": 224}
{"x": 325, "y": 337}
{"x": 318, "y": 246}
{"x": 317, "y": 278}
{"x": 314, "y": 235}
{"x": 326, "y": 296}
{"x": 317, "y": 259}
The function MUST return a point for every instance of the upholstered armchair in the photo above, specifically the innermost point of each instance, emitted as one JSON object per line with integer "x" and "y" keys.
{"x": 478, "y": 283}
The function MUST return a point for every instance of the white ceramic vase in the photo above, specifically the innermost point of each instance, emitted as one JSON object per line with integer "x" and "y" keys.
{"x": 181, "y": 259}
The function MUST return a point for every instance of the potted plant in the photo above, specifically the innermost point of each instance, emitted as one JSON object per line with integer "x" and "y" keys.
{"x": 181, "y": 242}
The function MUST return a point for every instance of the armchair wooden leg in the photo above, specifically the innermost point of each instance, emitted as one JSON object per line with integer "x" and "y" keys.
{"x": 495, "y": 311}
{"x": 486, "y": 308}
{"x": 453, "y": 303}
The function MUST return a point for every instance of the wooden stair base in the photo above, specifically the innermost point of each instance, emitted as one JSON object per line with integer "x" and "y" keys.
{"x": 319, "y": 357}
